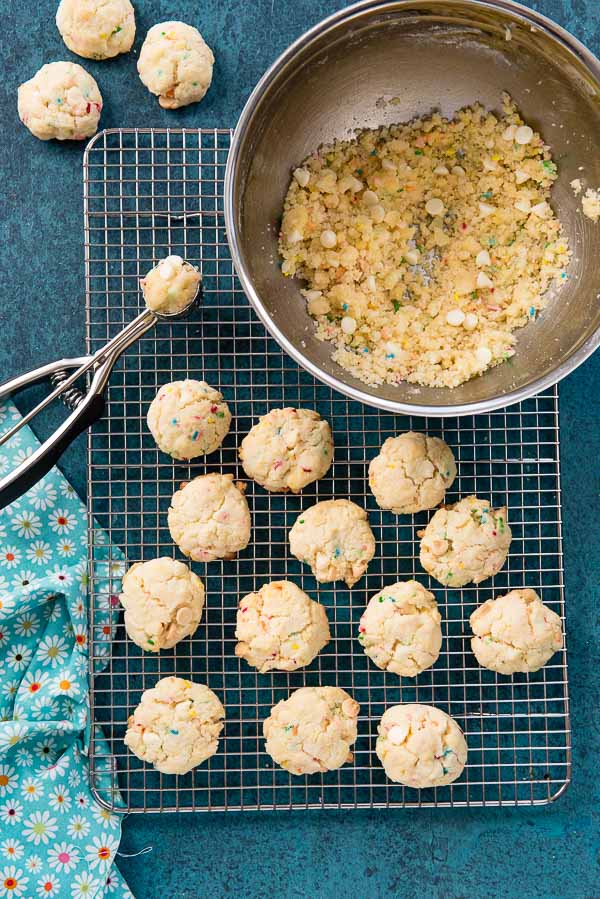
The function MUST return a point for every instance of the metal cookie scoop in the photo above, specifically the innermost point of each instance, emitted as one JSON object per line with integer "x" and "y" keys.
{"x": 87, "y": 406}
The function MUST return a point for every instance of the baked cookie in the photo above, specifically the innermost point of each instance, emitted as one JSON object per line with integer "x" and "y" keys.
{"x": 515, "y": 633}
{"x": 420, "y": 746}
{"x": 465, "y": 543}
{"x": 96, "y": 29}
{"x": 176, "y": 64}
{"x": 170, "y": 286}
{"x": 287, "y": 449}
{"x": 176, "y": 726}
{"x": 335, "y": 539}
{"x": 400, "y": 629}
{"x": 312, "y": 730}
{"x": 209, "y": 518}
{"x": 280, "y": 627}
{"x": 163, "y": 602}
{"x": 61, "y": 101}
{"x": 411, "y": 473}
{"x": 188, "y": 419}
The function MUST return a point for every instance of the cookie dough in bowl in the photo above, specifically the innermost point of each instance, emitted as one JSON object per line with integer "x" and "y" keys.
{"x": 280, "y": 627}
{"x": 176, "y": 726}
{"x": 287, "y": 449}
{"x": 515, "y": 633}
{"x": 334, "y": 537}
{"x": 163, "y": 602}
{"x": 412, "y": 472}
{"x": 400, "y": 629}
{"x": 96, "y": 29}
{"x": 170, "y": 286}
{"x": 420, "y": 746}
{"x": 61, "y": 102}
{"x": 312, "y": 731}
{"x": 176, "y": 64}
{"x": 465, "y": 543}
{"x": 188, "y": 419}
{"x": 209, "y": 518}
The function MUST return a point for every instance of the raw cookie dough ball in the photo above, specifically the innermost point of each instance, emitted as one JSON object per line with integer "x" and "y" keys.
{"x": 209, "y": 518}
{"x": 163, "y": 602}
{"x": 464, "y": 543}
{"x": 280, "y": 627}
{"x": 287, "y": 449}
{"x": 420, "y": 746}
{"x": 515, "y": 632}
{"x": 176, "y": 64}
{"x": 400, "y": 629}
{"x": 335, "y": 539}
{"x": 61, "y": 101}
{"x": 411, "y": 473}
{"x": 188, "y": 419}
{"x": 170, "y": 286}
{"x": 96, "y": 29}
{"x": 176, "y": 726}
{"x": 312, "y": 730}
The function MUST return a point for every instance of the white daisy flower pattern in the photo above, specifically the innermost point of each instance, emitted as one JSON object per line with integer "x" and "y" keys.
{"x": 12, "y": 849}
{"x": 48, "y": 885}
{"x": 39, "y": 552}
{"x": 33, "y": 863}
{"x": 52, "y": 650}
{"x": 27, "y": 524}
{"x": 60, "y": 799}
{"x": 63, "y": 857}
{"x": 10, "y": 556}
{"x": 19, "y": 657}
{"x": 27, "y": 624}
{"x": 40, "y": 827}
{"x": 26, "y": 581}
{"x": 62, "y": 521}
{"x": 13, "y": 881}
{"x": 78, "y": 827}
{"x": 84, "y": 886}
{"x": 11, "y": 812}
{"x": 66, "y": 549}
{"x": 42, "y": 496}
{"x": 8, "y": 779}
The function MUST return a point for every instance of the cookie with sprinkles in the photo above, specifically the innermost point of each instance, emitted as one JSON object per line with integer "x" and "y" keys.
{"x": 188, "y": 419}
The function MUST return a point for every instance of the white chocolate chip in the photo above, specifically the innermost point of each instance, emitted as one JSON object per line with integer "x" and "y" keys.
{"x": 521, "y": 176}
{"x": 486, "y": 209}
{"x": 412, "y": 257}
{"x": 173, "y": 260}
{"x": 434, "y": 206}
{"x": 509, "y": 133}
{"x": 348, "y": 325}
{"x": 455, "y": 317}
{"x": 441, "y": 170}
{"x": 370, "y": 198}
{"x": 388, "y": 165}
{"x": 397, "y": 734}
{"x": 166, "y": 271}
{"x": 184, "y": 615}
{"x": 328, "y": 239}
{"x": 458, "y": 170}
{"x": 484, "y": 281}
{"x": 371, "y": 284}
{"x": 483, "y": 355}
{"x": 482, "y": 259}
{"x": 377, "y": 214}
{"x": 302, "y": 177}
{"x": 523, "y": 134}
{"x": 541, "y": 210}
{"x": 470, "y": 322}
{"x": 523, "y": 204}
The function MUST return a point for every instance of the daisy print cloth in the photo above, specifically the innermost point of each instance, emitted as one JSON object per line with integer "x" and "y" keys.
{"x": 55, "y": 838}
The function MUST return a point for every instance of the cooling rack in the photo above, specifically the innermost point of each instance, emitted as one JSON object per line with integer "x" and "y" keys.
{"x": 153, "y": 192}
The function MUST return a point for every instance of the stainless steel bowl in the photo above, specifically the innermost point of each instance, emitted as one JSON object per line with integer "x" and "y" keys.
{"x": 443, "y": 54}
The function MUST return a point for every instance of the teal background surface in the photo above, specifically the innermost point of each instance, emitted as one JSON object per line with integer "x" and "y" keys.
{"x": 545, "y": 852}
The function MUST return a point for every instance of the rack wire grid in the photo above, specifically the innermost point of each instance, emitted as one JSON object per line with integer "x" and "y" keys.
{"x": 149, "y": 193}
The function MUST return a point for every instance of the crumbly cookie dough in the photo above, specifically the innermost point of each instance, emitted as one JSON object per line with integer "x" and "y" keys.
{"x": 334, "y": 537}
{"x": 420, "y": 746}
{"x": 411, "y": 473}
{"x": 61, "y": 102}
{"x": 188, "y": 419}
{"x": 209, "y": 518}
{"x": 176, "y": 64}
{"x": 423, "y": 246}
{"x": 280, "y": 628}
{"x": 515, "y": 633}
{"x": 163, "y": 602}
{"x": 287, "y": 449}
{"x": 465, "y": 543}
{"x": 400, "y": 629}
{"x": 176, "y": 726}
{"x": 312, "y": 730}
{"x": 170, "y": 286}
{"x": 96, "y": 29}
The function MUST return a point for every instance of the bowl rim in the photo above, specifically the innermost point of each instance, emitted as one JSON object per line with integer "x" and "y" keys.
{"x": 530, "y": 18}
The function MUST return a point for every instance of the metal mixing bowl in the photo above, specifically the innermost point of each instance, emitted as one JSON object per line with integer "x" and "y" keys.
{"x": 441, "y": 54}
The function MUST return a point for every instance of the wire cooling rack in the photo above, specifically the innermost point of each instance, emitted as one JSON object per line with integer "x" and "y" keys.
{"x": 139, "y": 184}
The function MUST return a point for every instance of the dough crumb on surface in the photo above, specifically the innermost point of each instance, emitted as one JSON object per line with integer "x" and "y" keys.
{"x": 515, "y": 633}
{"x": 176, "y": 725}
{"x": 465, "y": 543}
{"x": 412, "y": 472}
{"x": 176, "y": 64}
{"x": 420, "y": 746}
{"x": 62, "y": 101}
{"x": 333, "y": 537}
{"x": 171, "y": 285}
{"x": 188, "y": 419}
{"x": 590, "y": 204}
{"x": 280, "y": 628}
{"x": 577, "y": 186}
{"x": 96, "y": 29}
{"x": 163, "y": 602}
{"x": 312, "y": 731}
{"x": 209, "y": 518}
{"x": 287, "y": 449}
{"x": 423, "y": 246}
{"x": 400, "y": 629}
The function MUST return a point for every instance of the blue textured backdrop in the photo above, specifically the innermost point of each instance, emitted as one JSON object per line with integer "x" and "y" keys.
{"x": 546, "y": 852}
